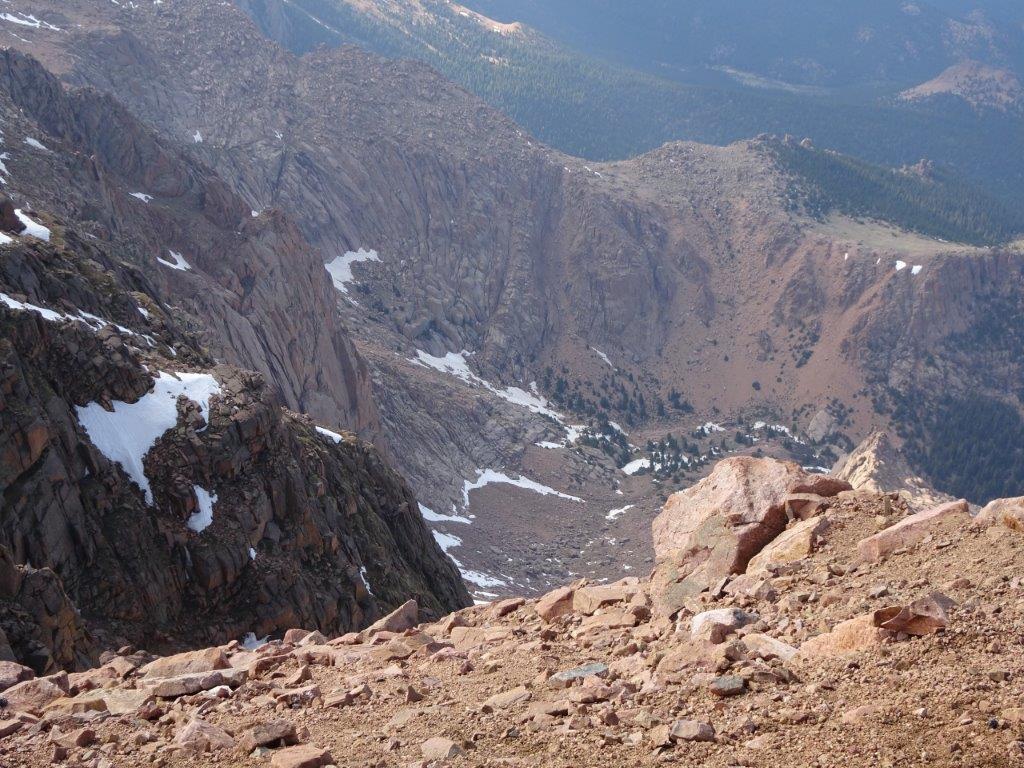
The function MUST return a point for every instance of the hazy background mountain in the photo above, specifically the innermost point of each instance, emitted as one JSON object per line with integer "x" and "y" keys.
{"x": 606, "y": 80}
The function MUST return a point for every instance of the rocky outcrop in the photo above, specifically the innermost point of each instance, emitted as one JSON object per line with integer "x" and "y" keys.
{"x": 878, "y": 465}
{"x": 254, "y": 288}
{"x": 712, "y": 530}
{"x": 1008, "y": 512}
{"x": 39, "y": 624}
{"x": 913, "y": 529}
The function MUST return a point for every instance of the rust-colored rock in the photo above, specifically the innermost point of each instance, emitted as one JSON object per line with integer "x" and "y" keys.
{"x": 821, "y": 485}
{"x": 911, "y": 530}
{"x": 714, "y": 528}
{"x": 556, "y": 603}
{"x": 301, "y": 756}
{"x": 1007, "y": 512}
{"x": 795, "y": 543}
{"x": 921, "y": 617}
{"x": 187, "y": 663}
{"x": 857, "y": 634}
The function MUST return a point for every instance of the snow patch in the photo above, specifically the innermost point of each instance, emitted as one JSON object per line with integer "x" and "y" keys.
{"x": 916, "y": 269}
{"x": 179, "y": 262}
{"x": 432, "y": 517}
{"x": 125, "y": 434}
{"x": 141, "y": 196}
{"x": 340, "y": 267}
{"x": 446, "y": 542}
{"x": 250, "y": 642}
{"x": 455, "y": 364}
{"x": 636, "y": 465}
{"x": 615, "y": 513}
{"x": 32, "y": 228}
{"x": 197, "y": 137}
{"x": 901, "y": 265}
{"x": 202, "y": 518}
{"x": 35, "y": 144}
{"x": 329, "y": 434}
{"x": 489, "y": 476}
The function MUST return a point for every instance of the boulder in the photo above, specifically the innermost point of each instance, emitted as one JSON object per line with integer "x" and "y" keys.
{"x": 821, "y": 485}
{"x": 556, "y": 603}
{"x": 270, "y": 733}
{"x": 184, "y": 685}
{"x": 911, "y": 530}
{"x": 80, "y": 737}
{"x": 588, "y": 600}
{"x": 33, "y": 695}
{"x": 567, "y": 676}
{"x": 691, "y": 730}
{"x": 301, "y": 756}
{"x": 507, "y": 699}
{"x": 921, "y": 617}
{"x": 795, "y": 543}
{"x": 850, "y": 636}
{"x": 715, "y": 626}
{"x": 728, "y": 685}
{"x": 294, "y": 635}
{"x": 439, "y": 748}
{"x": 406, "y": 616}
{"x": 802, "y": 506}
{"x": 12, "y": 673}
{"x": 764, "y": 647}
{"x": 1008, "y": 512}
{"x": 190, "y": 662}
{"x": 714, "y": 528}
{"x": 202, "y": 736}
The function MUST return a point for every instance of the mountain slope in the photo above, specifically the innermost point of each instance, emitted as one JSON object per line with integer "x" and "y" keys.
{"x": 513, "y": 293}
{"x": 606, "y": 84}
{"x": 129, "y": 513}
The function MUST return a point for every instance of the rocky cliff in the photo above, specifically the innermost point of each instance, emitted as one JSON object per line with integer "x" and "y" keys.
{"x": 179, "y": 506}
{"x": 154, "y": 490}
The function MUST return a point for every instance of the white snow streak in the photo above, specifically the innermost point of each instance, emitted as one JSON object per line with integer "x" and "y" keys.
{"x": 489, "y": 476}
{"x": 615, "y": 513}
{"x": 329, "y": 434}
{"x": 179, "y": 262}
{"x": 201, "y": 519}
{"x": 432, "y": 517}
{"x": 32, "y": 228}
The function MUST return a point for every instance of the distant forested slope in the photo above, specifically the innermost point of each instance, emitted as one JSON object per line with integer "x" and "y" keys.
{"x": 925, "y": 200}
{"x": 600, "y": 110}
